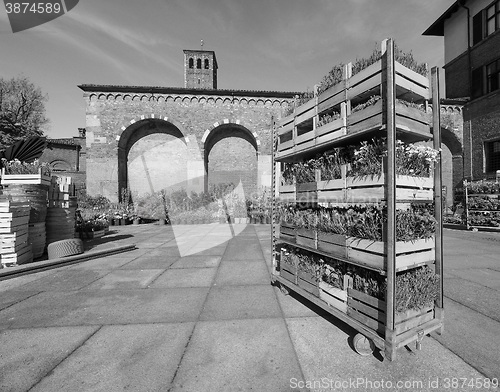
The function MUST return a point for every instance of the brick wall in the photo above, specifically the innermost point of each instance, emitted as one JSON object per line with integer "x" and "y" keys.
{"x": 110, "y": 114}
{"x": 482, "y": 120}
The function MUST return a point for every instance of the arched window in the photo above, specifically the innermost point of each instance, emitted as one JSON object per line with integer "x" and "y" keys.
{"x": 191, "y": 63}
{"x": 206, "y": 64}
{"x": 198, "y": 63}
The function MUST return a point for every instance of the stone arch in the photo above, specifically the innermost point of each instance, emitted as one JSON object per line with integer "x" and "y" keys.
{"x": 186, "y": 100}
{"x": 137, "y": 129}
{"x": 202, "y": 100}
{"x": 102, "y": 96}
{"x": 60, "y": 165}
{"x": 230, "y": 128}
{"x": 450, "y": 139}
{"x": 93, "y": 97}
{"x": 136, "y": 98}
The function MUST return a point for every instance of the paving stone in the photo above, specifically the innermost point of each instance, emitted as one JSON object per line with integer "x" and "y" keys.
{"x": 185, "y": 277}
{"x": 125, "y": 279}
{"x": 238, "y": 355}
{"x": 197, "y": 262}
{"x": 27, "y": 355}
{"x": 240, "y": 302}
{"x": 89, "y": 307}
{"x": 69, "y": 279}
{"x": 242, "y": 272}
{"x": 122, "y": 357}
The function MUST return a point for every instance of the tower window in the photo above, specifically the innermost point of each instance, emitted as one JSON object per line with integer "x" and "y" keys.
{"x": 198, "y": 63}
{"x": 191, "y": 63}
{"x": 206, "y": 64}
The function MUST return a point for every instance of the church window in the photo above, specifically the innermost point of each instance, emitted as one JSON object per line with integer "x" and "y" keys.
{"x": 198, "y": 63}
{"x": 191, "y": 63}
{"x": 206, "y": 64}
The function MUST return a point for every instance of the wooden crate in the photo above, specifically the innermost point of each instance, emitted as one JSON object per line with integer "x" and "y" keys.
{"x": 288, "y": 272}
{"x": 335, "y": 244}
{"x": 38, "y": 178}
{"x": 331, "y": 191}
{"x": 306, "y": 237}
{"x": 288, "y": 193}
{"x": 408, "y": 254}
{"x": 308, "y": 281}
{"x": 287, "y": 232}
{"x": 333, "y": 296}
{"x": 369, "y": 189}
{"x": 307, "y": 193}
{"x": 371, "y": 312}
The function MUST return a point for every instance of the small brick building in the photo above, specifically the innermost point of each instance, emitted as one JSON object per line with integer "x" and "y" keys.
{"x": 471, "y": 31}
{"x": 152, "y": 138}
{"x": 67, "y": 157}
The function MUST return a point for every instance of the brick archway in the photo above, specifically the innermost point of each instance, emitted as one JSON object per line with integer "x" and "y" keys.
{"x": 137, "y": 129}
{"x": 240, "y": 163}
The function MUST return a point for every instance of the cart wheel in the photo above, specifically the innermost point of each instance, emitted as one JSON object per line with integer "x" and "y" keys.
{"x": 284, "y": 289}
{"x": 363, "y": 345}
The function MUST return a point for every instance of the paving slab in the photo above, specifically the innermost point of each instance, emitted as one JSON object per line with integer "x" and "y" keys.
{"x": 238, "y": 302}
{"x": 125, "y": 279}
{"x": 21, "y": 280}
{"x": 122, "y": 358}
{"x": 484, "y": 276}
{"x": 151, "y": 262}
{"x": 27, "y": 355}
{"x": 104, "y": 263}
{"x": 328, "y": 364}
{"x": 244, "y": 250}
{"x": 242, "y": 272}
{"x": 185, "y": 277}
{"x": 477, "y": 345}
{"x": 197, "y": 262}
{"x": 209, "y": 250}
{"x": 293, "y": 306}
{"x": 67, "y": 279}
{"x": 238, "y": 355}
{"x": 11, "y": 297}
{"x": 92, "y": 307}
{"x": 475, "y": 296}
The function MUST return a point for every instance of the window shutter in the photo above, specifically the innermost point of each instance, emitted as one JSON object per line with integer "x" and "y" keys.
{"x": 477, "y": 28}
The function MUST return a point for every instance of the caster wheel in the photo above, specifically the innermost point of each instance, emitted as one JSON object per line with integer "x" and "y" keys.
{"x": 284, "y": 290}
{"x": 363, "y": 345}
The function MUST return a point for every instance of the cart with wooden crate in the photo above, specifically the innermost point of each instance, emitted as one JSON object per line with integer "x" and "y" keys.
{"x": 380, "y": 323}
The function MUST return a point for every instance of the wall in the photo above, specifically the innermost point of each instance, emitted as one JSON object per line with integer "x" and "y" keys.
{"x": 193, "y": 115}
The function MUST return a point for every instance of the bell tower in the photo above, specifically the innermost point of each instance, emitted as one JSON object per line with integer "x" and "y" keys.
{"x": 200, "y": 69}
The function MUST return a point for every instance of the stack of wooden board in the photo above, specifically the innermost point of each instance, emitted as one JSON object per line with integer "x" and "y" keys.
{"x": 15, "y": 248}
{"x": 60, "y": 222}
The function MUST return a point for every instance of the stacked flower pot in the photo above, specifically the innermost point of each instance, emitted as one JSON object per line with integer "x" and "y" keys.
{"x": 14, "y": 246}
{"x": 60, "y": 222}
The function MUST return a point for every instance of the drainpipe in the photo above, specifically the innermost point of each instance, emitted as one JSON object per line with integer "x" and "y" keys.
{"x": 461, "y": 3}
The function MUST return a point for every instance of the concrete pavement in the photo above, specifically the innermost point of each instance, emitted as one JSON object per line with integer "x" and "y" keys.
{"x": 191, "y": 309}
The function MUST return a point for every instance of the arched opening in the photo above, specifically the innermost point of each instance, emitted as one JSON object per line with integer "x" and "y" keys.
{"x": 207, "y": 65}
{"x": 60, "y": 166}
{"x": 198, "y": 63}
{"x": 191, "y": 63}
{"x": 152, "y": 155}
{"x": 452, "y": 163}
{"x": 231, "y": 156}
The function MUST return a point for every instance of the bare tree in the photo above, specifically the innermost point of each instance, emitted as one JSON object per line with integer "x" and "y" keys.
{"x": 22, "y": 110}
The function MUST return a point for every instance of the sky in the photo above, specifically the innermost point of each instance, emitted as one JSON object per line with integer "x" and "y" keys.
{"x": 271, "y": 45}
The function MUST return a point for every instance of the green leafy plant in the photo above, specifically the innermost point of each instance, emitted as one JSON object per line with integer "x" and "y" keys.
{"x": 18, "y": 167}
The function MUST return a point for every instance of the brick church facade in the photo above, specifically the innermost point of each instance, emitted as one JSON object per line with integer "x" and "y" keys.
{"x": 152, "y": 138}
